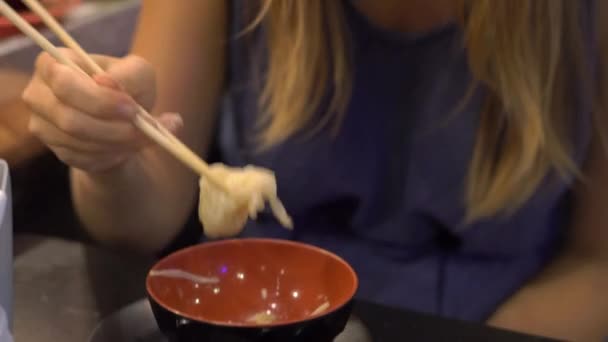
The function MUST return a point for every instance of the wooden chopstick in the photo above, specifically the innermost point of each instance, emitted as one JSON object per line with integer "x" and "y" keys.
{"x": 28, "y": 30}
{"x": 71, "y": 43}
{"x": 50, "y": 21}
{"x": 144, "y": 121}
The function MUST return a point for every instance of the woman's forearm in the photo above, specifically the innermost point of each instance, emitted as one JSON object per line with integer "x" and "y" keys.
{"x": 140, "y": 205}
{"x": 567, "y": 301}
{"x": 144, "y": 203}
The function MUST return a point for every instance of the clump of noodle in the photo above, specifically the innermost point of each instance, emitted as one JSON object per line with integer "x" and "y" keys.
{"x": 224, "y": 214}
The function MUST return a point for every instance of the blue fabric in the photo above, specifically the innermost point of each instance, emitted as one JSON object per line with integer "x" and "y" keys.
{"x": 387, "y": 193}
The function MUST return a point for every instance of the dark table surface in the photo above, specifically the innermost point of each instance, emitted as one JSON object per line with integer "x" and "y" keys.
{"x": 64, "y": 288}
{"x": 389, "y": 324}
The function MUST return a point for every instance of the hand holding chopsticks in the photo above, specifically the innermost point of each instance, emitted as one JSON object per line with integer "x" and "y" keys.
{"x": 228, "y": 196}
{"x": 143, "y": 120}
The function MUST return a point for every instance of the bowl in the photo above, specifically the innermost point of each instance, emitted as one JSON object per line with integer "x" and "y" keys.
{"x": 57, "y": 8}
{"x": 251, "y": 290}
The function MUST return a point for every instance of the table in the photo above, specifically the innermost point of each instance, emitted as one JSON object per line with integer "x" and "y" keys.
{"x": 64, "y": 288}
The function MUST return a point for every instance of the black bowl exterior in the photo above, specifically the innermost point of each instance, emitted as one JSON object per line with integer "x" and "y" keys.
{"x": 321, "y": 329}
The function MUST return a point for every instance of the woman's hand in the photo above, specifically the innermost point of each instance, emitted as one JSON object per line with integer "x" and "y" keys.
{"x": 85, "y": 122}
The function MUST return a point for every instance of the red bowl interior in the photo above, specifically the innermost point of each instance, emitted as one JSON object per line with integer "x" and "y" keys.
{"x": 57, "y": 8}
{"x": 287, "y": 280}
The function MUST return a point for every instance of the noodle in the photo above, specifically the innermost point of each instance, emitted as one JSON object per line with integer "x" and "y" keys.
{"x": 225, "y": 214}
{"x": 320, "y": 309}
{"x": 267, "y": 317}
{"x": 181, "y": 274}
{"x": 263, "y": 317}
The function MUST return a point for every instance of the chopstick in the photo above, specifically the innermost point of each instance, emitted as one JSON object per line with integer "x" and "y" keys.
{"x": 50, "y": 21}
{"x": 143, "y": 120}
{"x": 71, "y": 43}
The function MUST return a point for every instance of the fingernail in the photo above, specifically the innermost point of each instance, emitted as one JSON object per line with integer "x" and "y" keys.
{"x": 127, "y": 110}
{"x": 172, "y": 125}
{"x": 174, "y": 122}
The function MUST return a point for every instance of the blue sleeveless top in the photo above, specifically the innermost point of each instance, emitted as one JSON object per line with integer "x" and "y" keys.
{"x": 386, "y": 194}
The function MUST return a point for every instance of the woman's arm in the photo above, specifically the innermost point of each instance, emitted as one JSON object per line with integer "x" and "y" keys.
{"x": 144, "y": 202}
{"x": 569, "y": 300}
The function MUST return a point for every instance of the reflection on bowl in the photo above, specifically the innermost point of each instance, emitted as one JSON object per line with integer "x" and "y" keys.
{"x": 252, "y": 290}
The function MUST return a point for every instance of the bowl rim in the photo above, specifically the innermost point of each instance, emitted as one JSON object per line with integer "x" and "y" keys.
{"x": 335, "y": 308}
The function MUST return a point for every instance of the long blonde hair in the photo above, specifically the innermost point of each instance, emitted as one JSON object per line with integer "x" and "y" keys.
{"x": 526, "y": 54}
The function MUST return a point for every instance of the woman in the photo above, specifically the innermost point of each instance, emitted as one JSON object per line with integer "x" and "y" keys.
{"x": 444, "y": 148}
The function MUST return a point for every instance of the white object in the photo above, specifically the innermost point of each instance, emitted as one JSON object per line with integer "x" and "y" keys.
{"x": 6, "y": 245}
{"x": 5, "y": 335}
{"x": 224, "y": 213}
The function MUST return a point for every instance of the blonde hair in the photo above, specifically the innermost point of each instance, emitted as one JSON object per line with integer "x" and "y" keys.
{"x": 526, "y": 55}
